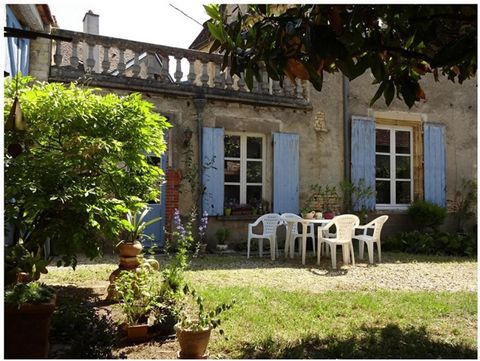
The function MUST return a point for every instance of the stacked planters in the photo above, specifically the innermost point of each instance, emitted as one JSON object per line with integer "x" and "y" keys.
{"x": 130, "y": 248}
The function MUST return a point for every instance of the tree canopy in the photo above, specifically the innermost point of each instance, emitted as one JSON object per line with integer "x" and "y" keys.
{"x": 79, "y": 166}
{"x": 399, "y": 43}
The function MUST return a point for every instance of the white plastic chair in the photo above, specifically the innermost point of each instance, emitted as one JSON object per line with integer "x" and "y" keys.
{"x": 377, "y": 225}
{"x": 270, "y": 223}
{"x": 345, "y": 226}
{"x": 295, "y": 234}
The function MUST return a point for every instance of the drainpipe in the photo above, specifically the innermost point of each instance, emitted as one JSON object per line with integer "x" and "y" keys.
{"x": 346, "y": 128}
{"x": 199, "y": 102}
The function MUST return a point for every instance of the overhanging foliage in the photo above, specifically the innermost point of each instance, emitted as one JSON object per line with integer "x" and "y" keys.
{"x": 398, "y": 43}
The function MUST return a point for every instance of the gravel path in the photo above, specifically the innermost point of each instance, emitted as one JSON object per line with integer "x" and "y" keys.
{"x": 396, "y": 272}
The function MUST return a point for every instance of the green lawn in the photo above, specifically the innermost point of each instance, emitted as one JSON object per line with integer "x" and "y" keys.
{"x": 283, "y": 309}
{"x": 268, "y": 323}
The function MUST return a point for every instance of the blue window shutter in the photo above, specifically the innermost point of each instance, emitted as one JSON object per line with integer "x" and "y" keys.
{"x": 213, "y": 178}
{"x": 363, "y": 157}
{"x": 285, "y": 173}
{"x": 17, "y": 54}
{"x": 434, "y": 163}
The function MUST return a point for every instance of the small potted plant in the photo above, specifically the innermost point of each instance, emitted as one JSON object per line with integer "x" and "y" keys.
{"x": 28, "y": 312}
{"x": 138, "y": 295}
{"x": 222, "y": 234}
{"x": 196, "y": 324}
{"x": 227, "y": 210}
{"x": 130, "y": 245}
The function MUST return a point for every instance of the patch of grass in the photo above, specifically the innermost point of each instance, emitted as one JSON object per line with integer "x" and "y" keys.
{"x": 83, "y": 274}
{"x": 267, "y": 323}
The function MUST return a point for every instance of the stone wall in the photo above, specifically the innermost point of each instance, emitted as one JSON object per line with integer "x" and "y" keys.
{"x": 448, "y": 103}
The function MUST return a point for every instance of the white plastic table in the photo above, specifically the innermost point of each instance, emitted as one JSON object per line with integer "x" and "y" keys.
{"x": 289, "y": 246}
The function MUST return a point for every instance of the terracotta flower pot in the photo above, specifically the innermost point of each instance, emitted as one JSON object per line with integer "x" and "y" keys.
{"x": 127, "y": 249}
{"x": 27, "y": 329}
{"x": 193, "y": 344}
{"x": 137, "y": 332}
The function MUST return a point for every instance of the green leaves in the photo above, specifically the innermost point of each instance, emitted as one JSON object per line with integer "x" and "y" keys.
{"x": 390, "y": 40}
{"x": 83, "y": 165}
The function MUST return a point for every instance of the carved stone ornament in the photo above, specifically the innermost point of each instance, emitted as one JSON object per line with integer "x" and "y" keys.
{"x": 319, "y": 123}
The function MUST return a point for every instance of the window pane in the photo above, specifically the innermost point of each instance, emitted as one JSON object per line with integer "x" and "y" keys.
{"x": 382, "y": 166}
{"x": 383, "y": 192}
{"x": 232, "y": 171}
{"x": 232, "y": 146}
{"x": 403, "y": 167}
{"x": 254, "y": 148}
{"x": 254, "y": 194}
{"x": 254, "y": 172}
{"x": 232, "y": 194}
{"x": 402, "y": 142}
{"x": 382, "y": 141}
{"x": 403, "y": 193}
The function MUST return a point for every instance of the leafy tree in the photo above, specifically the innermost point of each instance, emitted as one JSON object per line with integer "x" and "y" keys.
{"x": 82, "y": 166}
{"x": 398, "y": 43}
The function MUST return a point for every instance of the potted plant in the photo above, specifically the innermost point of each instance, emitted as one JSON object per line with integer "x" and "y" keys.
{"x": 28, "y": 312}
{"x": 196, "y": 324}
{"x": 222, "y": 234}
{"x": 137, "y": 292}
{"x": 130, "y": 245}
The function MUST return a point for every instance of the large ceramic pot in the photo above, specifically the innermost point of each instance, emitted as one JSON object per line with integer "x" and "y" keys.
{"x": 27, "y": 329}
{"x": 193, "y": 344}
{"x": 128, "y": 249}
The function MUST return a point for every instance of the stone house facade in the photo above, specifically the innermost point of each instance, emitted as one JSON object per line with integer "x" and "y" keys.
{"x": 268, "y": 145}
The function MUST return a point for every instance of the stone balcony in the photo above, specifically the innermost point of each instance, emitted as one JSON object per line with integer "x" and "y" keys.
{"x": 131, "y": 65}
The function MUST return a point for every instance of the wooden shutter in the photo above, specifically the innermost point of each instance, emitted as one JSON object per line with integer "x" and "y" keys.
{"x": 213, "y": 178}
{"x": 434, "y": 163}
{"x": 17, "y": 54}
{"x": 285, "y": 173}
{"x": 363, "y": 156}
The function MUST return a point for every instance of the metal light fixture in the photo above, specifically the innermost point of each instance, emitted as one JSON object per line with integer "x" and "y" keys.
{"x": 187, "y": 136}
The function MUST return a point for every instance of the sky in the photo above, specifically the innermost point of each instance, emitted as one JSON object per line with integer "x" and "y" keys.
{"x": 154, "y": 22}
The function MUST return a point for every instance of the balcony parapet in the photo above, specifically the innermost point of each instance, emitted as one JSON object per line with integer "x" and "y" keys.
{"x": 124, "y": 64}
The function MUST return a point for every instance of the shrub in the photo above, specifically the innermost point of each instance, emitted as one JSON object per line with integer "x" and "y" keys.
{"x": 426, "y": 214}
{"x": 81, "y": 165}
{"x": 85, "y": 333}
{"x": 440, "y": 243}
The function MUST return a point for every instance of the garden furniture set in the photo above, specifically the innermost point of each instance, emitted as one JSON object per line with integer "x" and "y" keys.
{"x": 345, "y": 225}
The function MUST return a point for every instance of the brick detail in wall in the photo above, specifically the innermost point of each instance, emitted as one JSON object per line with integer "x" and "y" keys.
{"x": 173, "y": 178}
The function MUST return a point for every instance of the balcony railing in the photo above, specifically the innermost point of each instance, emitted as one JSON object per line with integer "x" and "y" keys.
{"x": 126, "y": 64}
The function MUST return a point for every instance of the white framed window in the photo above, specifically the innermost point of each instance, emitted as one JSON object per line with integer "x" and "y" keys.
{"x": 244, "y": 168}
{"x": 393, "y": 167}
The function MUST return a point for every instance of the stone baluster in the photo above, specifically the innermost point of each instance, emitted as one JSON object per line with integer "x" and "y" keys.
{"x": 255, "y": 85}
{"x": 218, "y": 77}
{"x": 241, "y": 82}
{"x": 299, "y": 89}
{"x": 191, "y": 71}
{"x": 178, "y": 70}
{"x": 90, "y": 60}
{"x": 204, "y": 77}
{"x": 136, "y": 65}
{"x": 228, "y": 79}
{"x": 265, "y": 84}
{"x": 150, "y": 65}
{"x": 305, "y": 90}
{"x": 121, "y": 61}
{"x": 74, "y": 58}
{"x": 276, "y": 88}
{"x": 106, "y": 59}
{"x": 288, "y": 87}
{"x": 57, "y": 58}
{"x": 165, "y": 68}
